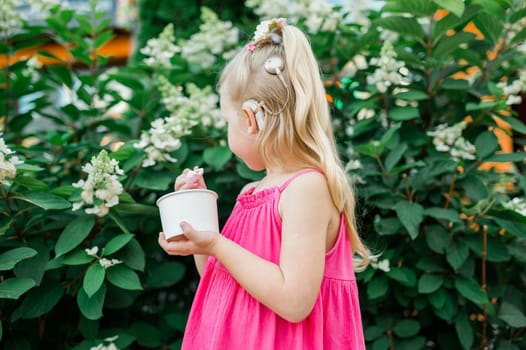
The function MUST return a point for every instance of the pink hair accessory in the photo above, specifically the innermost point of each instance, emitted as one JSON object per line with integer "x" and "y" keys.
{"x": 251, "y": 46}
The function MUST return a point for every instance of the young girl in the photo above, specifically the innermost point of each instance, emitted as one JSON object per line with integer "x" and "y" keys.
{"x": 280, "y": 275}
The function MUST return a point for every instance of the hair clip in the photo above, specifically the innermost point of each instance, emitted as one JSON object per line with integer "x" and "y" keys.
{"x": 251, "y": 46}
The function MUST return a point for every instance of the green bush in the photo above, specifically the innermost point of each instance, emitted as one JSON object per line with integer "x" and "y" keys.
{"x": 87, "y": 150}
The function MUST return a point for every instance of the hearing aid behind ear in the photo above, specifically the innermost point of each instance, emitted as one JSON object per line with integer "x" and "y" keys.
{"x": 274, "y": 65}
{"x": 255, "y": 107}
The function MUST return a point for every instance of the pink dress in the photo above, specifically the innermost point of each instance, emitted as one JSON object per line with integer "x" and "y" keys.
{"x": 225, "y": 316}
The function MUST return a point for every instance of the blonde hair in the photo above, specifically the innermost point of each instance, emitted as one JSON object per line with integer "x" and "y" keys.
{"x": 303, "y": 130}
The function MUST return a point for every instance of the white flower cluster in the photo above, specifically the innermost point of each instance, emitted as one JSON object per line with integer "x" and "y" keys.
{"x": 513, "y": 89}
{"x": 449, "y": 139}
{"x": 107, "y": 344}
{"x": 388, "y": 72}
{"x": 8, "y": 163}
{"x": 215, "y": 38}
{"x": 40, "y": 8}
{"x": 383, "y": 265}
{"x": 102, "y": 188}
{"x": 317, "y": 15}
{"x": 200, "y": 107}
{"x": 160, "y": 50}
{"x": 33, "y": 65}
{"x": 10, "y": 17}
{"x": 511, "y": 32}
{"x": 102, "y": 261}
{"x": 517, "y": 204}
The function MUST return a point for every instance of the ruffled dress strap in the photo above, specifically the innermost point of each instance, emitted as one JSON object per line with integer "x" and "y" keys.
{"x": 299, "y": 173}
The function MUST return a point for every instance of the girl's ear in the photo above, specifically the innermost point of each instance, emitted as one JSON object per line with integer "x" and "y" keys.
{"x": 250, "y": 117}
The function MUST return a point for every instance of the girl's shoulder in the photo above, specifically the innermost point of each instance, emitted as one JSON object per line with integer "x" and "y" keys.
{"x": 248, "y": 186}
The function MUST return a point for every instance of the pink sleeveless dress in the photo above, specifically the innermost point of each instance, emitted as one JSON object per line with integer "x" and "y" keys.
{"x": 225, "y": 316}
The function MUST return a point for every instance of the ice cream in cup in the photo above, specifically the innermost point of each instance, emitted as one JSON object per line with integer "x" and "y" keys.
{"x": 198, "y": 207}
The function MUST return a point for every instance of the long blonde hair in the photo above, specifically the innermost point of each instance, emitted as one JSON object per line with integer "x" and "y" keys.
{"x": 302, "y": 129}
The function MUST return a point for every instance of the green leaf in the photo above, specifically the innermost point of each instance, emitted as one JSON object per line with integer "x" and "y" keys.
{"x": 76, "y": 257}
{"x": 93, "y": 279}
{"x": 448, "y": 44}
{"x": 412, "y": 95}
{"x": 13, "y": 288}
{"x": 158, "y": 181}
{"x": 443, "y": 214}
{"x": 411, "y": 215}
{"x": 217, "y": 157}
{"x": 166, "y": 274}
{"x": 404, "y": 275}
{"x": 117, "y": 243}
{"x": 437, "y": 299}
{"x": 377, "y": 287}
{"x": 451, "y": 21}
{"x": 406, "y": 328}
{"x": 147, "y": 335}
{"x": 31, "y": 183}
{"x": 448, "y": 309}
{"x": 103, "y": 38}
{"x": 464, "y": 330}
{"x": 457, "y": 253}
{"x": 455, "y": 84}
{"x": 403, "y": 25}
{"x": 132, "y": 255}
{"x": 472, "y": 106}
{"x": 514, "y": 227}
{"x": 471, "y": 290}
{"x": 123, "y": 277}
{"x": 515, "y": 124}
{"x": 9, "y": 259}
{"x": 413, "y": 343}
{"x": 454, "y": 6}
{"x": 486, "y": 144}
{"x": 28, "y": 167}
{"x": 91, "y": 308}
{"x": 512, "y": 315}
{"x": 508, "y": 157}
{"x": 41, "y": 300}
{"x": 429, "y": 283}
{"x": 404, "y": 113}
{"x": 74, "y": 233}
{"x": 381, "y": 343}
{"x": 137, "y": 208}
{"x": 490, "y": 26}
{"x": 422, "y": 8}
{"x": 373, "y": 332}
{"x": 34, "y": 267}
{"x": 117, "y": 219}
{"x": 46, "y": 201}
{"x": 394, "y": 156}
{"x": 62, "y": 74}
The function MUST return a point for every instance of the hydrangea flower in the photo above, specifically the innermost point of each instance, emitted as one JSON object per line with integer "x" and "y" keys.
{"x": 388, "y": 72}
{"x": 199, "y": 108}
{"x": 10, "y": 17}
{"x": 101, "y": 190}
{"x": 516, "y": 204}
{"x": 8, "y": 163}
{"x": 512, "y": 89}
{"x": 109, "y": 262}
{"x": 160, "y": 50}
{"x": 449, "y": 139}
{"x": 215, "y": 38}
{"x": 107, "y": 344}
{"x": 317, "y": 15}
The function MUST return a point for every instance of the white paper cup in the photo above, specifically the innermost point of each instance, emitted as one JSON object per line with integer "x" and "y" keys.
{"x": 198, "y": 207}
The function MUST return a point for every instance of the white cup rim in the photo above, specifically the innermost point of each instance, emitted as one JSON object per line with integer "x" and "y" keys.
{"x": 185, "y": 191}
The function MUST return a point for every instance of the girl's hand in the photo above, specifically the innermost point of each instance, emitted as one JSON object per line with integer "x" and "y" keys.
{"x": 190, "y": 242}
{"x": 190, "y": 179}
